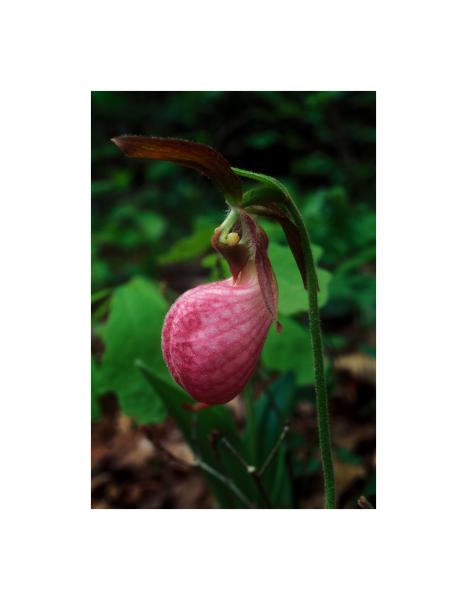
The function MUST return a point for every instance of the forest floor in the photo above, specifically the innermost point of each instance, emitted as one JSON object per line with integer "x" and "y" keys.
{"x": 153, "y": 467}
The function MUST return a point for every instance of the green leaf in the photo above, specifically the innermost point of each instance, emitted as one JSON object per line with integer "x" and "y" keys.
{"x": 151, "y": 225}
{"x": 217, "y": 265}
{"x": 133, "y": 331}
{"x": 189, "y": 247}
{"x": 272, "y": 410}
{"x": 356, "y": 292}
{"x": 262, "y": 140}
{"x": 121, "y": 181}
{"x": 198, "y": 429}
{"x": 100, "y": 272}
{"x": 292, "y": 296}
{"x": 99, "y": 295}
{"x": 289, "y": 350}
{"x": 351, "y": 264}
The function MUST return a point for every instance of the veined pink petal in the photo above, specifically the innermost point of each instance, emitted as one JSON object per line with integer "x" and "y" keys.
{"x": 213, "y": 336}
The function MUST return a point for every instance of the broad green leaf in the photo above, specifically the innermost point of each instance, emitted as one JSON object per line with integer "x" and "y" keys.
{"x": 276, "y": 236}
{"x": 189, "y": 247}
{"x": 289, "y": 350}
{"x": 273, "y": 230}
{"x": 198, "y": 429}
{"x": 133, "y": 331}
{"x": 292, "y": 295}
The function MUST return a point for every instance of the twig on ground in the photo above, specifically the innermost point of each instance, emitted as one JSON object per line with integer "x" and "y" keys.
{"x": 275, "y": 448}
{"x": 211, "y": 470}
{"x": 226, "y": 481}
{"x": 250, "y": 469}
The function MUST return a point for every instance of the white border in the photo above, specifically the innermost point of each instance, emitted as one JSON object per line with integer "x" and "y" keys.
{"x": 53, "y": 54}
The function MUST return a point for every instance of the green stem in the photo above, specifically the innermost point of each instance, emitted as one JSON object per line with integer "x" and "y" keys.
{"x": 228, "y": 223}
{"x": 322, "y": 409}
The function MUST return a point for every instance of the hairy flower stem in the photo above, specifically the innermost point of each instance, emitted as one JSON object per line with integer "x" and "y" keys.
{"x": 315, "y": 334}
{"x": 322, "y": 408}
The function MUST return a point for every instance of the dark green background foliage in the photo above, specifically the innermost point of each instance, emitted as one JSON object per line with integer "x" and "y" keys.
{"x": 151, "y": 228}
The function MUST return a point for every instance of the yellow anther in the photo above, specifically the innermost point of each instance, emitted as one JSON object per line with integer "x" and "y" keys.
{"x": 232, "y": 239}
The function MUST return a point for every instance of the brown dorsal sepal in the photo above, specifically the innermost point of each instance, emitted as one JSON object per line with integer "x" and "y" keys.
{"x": 201, "y": 157}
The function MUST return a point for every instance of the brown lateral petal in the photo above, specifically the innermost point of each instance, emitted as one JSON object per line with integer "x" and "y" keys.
{"x": 259, "y": 250}
{"x": 201, "y": 157}
{"x": 291, "y": 232}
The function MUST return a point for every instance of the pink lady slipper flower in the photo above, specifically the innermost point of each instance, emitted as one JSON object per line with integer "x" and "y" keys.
{"x": 213, "y": 335}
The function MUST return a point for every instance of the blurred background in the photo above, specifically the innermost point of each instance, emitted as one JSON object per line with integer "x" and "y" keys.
{"x": 151, "y": 228}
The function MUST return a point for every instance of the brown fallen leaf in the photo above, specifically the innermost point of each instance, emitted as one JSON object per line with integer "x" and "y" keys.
{"x": 359, "y": 365}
